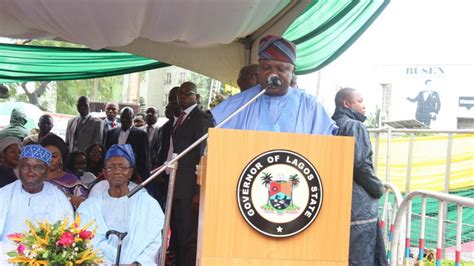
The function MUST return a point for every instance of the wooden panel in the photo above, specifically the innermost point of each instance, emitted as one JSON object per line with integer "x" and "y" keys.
{"x": 225, "y": 238}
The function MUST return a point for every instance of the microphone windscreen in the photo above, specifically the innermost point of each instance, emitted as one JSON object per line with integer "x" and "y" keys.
{"x": 274, "y": 80}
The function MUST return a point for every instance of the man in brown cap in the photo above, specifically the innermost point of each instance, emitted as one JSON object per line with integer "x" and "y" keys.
{"x": 282, "y": 108}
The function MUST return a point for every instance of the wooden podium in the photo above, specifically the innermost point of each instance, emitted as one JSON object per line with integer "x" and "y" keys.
{"x": 226, "y": 238}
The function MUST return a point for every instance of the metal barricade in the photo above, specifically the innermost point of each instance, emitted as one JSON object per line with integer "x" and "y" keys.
{"x": 405, "y": 209}
{"x": 389, "y": 211}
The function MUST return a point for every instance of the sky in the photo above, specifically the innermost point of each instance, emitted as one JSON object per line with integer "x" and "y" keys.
{"x": 407, "y": 33}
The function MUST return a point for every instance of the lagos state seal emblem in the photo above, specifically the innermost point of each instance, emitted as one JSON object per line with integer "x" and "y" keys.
{"x": 279, "y": 193}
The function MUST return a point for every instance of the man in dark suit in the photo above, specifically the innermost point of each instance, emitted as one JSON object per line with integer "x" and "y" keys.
{"x": 111, "y": 120}
{"x": 191, "y": 124}
{"x": 84, "y": 130}
{"x": 172, "y": 110}
{"x": 153, "y": 130}
{"x": 129, "y": 134}
{"x": 428, "y": 105}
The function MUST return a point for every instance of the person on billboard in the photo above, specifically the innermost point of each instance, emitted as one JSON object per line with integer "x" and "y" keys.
{"x": 428, "y": 104}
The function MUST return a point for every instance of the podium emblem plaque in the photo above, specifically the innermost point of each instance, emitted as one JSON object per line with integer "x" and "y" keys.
{"x": 279, "y": 193}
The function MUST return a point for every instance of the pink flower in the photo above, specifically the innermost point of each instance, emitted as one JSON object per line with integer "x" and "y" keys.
{"x": 86, "y": 235}
{"x": 17, "y": 237}
{"x": 21, "y": 248}
{"x": 66, "y": 239}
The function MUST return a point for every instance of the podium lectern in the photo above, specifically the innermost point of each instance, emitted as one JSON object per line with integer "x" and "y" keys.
{"x": 226, "y": 234}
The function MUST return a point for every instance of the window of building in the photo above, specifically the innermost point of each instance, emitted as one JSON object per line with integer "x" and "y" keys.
{"x": 168, "y": 78}
{"x": 182, "y": 77}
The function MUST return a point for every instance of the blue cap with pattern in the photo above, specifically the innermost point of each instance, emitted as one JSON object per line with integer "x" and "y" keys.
{"x": 121, "y": 150}
{"x": 36, "y": 152}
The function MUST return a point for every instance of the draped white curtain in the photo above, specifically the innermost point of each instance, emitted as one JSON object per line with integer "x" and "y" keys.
{"x": 115, "y": 23}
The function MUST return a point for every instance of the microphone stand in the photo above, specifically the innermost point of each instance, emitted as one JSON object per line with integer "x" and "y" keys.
{"x": 173, "y": 165}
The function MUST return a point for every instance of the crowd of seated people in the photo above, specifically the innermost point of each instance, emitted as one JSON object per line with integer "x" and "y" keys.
{"x": 93, "y": 180}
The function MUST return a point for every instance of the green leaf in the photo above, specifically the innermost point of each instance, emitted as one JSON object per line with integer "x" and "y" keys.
{"x": 12, "y": 254}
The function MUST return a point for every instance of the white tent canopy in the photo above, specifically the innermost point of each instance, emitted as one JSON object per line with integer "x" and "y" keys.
{"x": 212, "y": 37}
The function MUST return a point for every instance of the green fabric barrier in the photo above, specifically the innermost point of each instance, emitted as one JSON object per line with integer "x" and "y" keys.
{"x": 328, "y": 28}
{"x": 20, "y": 63}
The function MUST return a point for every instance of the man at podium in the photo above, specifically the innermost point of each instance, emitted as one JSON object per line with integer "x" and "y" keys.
{"x": 282, "y": 108}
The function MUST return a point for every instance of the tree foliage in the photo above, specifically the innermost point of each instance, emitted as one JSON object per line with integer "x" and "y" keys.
{"x": 52, "y": 43}
{"x": 203, "y": 84}
{"x": 28, "y": 95}
{"x": 70, "y": 90}
{"x": 67, "y": 92}
{"x": 374, "y": 118}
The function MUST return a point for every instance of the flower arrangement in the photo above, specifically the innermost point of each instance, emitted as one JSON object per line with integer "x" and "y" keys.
{"x": 56, "y": 244}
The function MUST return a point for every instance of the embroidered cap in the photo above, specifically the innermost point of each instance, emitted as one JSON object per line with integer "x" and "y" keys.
{"x": 277, "y": 48}
{"x": 36, "y": 152}
{"x": 121, "y": 150}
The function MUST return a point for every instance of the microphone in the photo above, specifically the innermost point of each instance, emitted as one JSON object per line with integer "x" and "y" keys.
{"x": 274, "y": 80}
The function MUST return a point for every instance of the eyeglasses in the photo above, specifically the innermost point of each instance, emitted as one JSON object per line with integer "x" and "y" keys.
{"x": 114, "y": 167}
{"x": 37, "y": 169}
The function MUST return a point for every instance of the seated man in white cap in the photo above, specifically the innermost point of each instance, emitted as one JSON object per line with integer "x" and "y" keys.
{"x": 282, "y": 108}
{"x": 140, "y": 216}
{"x": 30, "y": 198}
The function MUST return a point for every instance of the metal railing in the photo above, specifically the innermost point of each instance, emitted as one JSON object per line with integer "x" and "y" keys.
{"x": 389, "y": 211}
{"x": 405, "y": 209}
{"x": 390, "y": 132}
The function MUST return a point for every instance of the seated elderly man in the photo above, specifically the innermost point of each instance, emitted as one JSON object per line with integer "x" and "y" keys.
{"x": 140, "y": 216}
{"x": 30, "y": 198}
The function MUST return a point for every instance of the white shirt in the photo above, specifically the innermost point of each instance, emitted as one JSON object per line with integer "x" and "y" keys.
{"x": 426, "y": 94}
{"x": 116, "y": 212}
{"x": 150, "y": 131}
{"x": 88, "y": 178}
{"x": 37, "y": 207}
{"x": 171, "y": 153}
{"x": 123, "y": 136}
{"x": 187, "y": 111}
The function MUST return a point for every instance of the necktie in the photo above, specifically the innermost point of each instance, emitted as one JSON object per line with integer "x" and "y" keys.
{"x": 178, "y": 123}
{"x": 113, "y": 124}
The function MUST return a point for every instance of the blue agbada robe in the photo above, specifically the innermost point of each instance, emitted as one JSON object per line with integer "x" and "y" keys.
{"x": 295, "y": 112}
